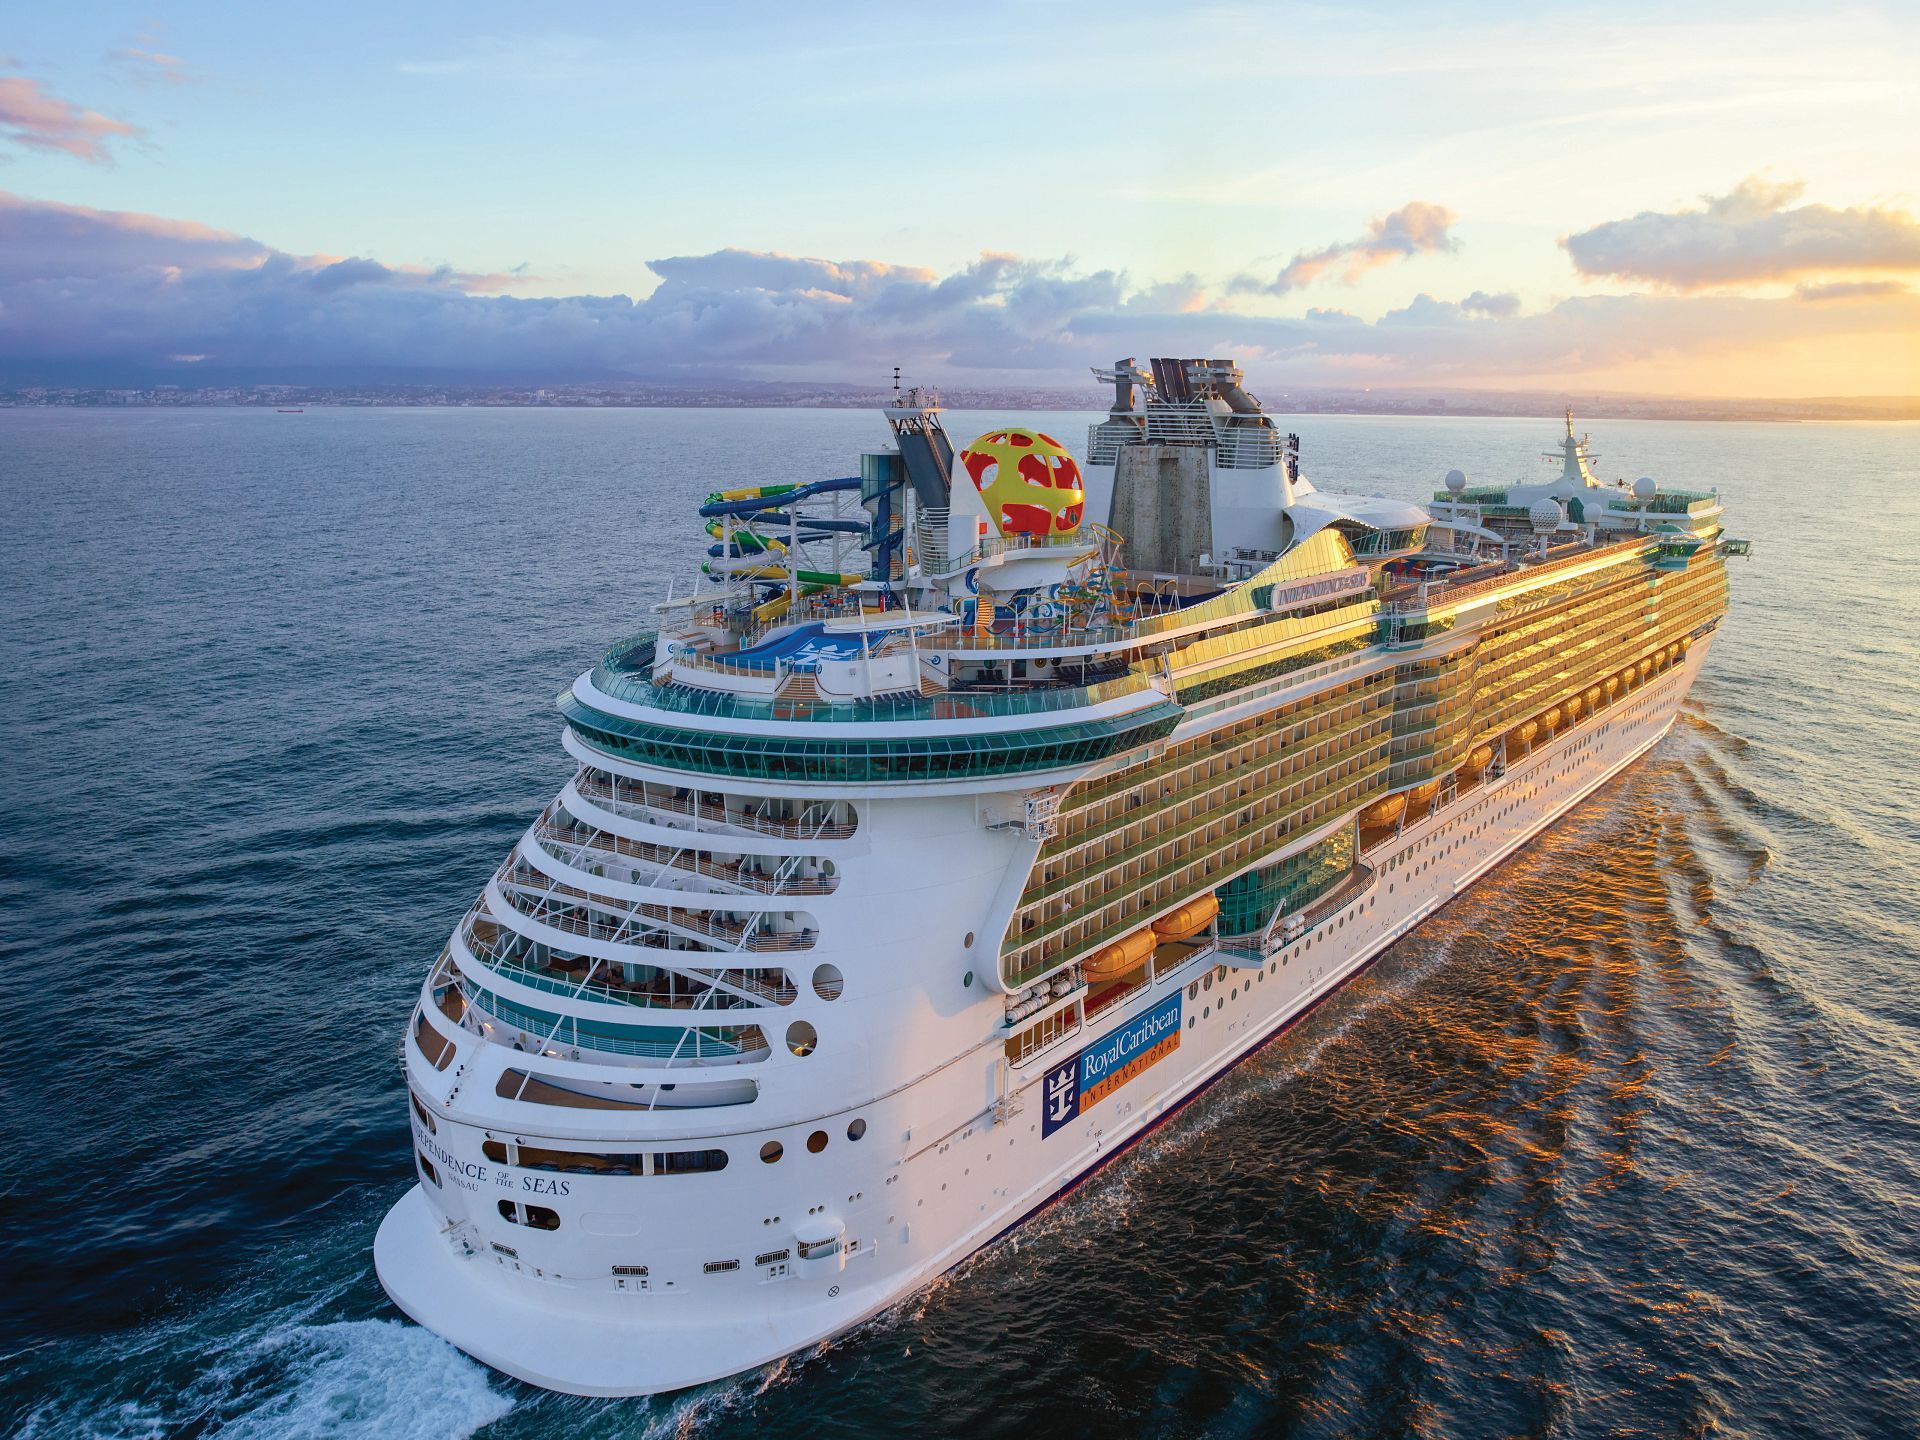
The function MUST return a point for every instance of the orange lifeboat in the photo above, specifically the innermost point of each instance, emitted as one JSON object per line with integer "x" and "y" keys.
{"x": 1573, "y": 705}
{"x": 1384, "y": 812}
{"x": 1421, "y": 794}
{"x": 1527, "y": 731}
{"x": 1675, "y": 651}
{"x": 1612, "y": 686}
{"x": 1481, "y": 757}
{"x": 1112, "y": 961}
{"x": 1189, "y": 919}
{"x": 1646, "y": 668}
{"x": 1551, "y": 720}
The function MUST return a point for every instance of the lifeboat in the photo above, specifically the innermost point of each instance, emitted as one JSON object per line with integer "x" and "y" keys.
{"x": 1384, "y": 812}
{"x": 1481, "y": 757}
{"x": 1629, "y": 677}
{"x": 1112, "y": 961}
{"x": 1421, "y": 794}
{"x": 1686, "y": 643}
{"x": 1190, "y": 918}
{"x": 1646, "y": 668}
{"x": 1526, "y": 732}
{"x": 1612, "y": 686}
{"x": 1551, "y": 720}
{"x": 1674, "y": 651}
{"x": 1573, "y": 704}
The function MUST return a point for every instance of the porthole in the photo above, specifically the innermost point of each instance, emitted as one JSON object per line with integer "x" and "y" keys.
{"x": 1193, "y": 991}
{"x": 968, "y": 942}
{"x": 966, "y": 981}
{"x": 1207, "y": 983}
{"x": 772, "y": 1151}
{"x": 802, "y": 1038}
{"x": 855, "y": 1129}
{"x": 828, "y": 982}
{"x": 816, "y": 1142}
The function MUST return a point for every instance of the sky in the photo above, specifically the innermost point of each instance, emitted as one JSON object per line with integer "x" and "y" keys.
{"x": 1665, "y": 198}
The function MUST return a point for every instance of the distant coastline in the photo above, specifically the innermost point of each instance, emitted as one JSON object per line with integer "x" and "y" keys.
{"x": 1475, "y": 404}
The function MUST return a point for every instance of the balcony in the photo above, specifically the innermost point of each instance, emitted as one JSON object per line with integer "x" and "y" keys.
{"x": 636, "y": 800}
{"x": 581, "y": 848}
{"x": 565, "y": 907}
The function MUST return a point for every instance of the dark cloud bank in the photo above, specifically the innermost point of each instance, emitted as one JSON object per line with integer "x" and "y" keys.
{"x": 124, "y": 298}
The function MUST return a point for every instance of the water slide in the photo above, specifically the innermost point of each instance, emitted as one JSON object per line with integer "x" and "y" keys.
{"x": 771, "y": 497}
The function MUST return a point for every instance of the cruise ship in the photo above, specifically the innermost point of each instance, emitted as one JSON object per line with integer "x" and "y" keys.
{"x": 973, "y": 813}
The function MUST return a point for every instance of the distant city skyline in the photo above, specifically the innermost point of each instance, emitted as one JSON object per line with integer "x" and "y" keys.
{"x": 1688, "y": 200}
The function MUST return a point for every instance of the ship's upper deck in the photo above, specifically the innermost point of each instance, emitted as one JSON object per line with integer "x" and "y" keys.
{"x": 950, "y": 615}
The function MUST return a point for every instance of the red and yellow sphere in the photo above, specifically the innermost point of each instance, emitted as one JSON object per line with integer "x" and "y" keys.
{"x": 1029, "y": 481}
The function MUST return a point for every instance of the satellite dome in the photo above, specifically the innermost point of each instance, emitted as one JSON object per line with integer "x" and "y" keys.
{"x": 1545, "y": 515}
{"x": 1456, "y": 480}
{"x": 1644, "y": 488}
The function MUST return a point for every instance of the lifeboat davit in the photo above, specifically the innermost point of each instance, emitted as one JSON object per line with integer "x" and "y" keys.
{"x": 1189, "y": 919}
{"x": 1384, "y": 812}
{"x": 1124, "y": 954}
{"x": 1481, "y": 757}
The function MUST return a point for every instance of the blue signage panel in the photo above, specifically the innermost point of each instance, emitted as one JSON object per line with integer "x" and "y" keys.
{"x": 1083, "y": 1080}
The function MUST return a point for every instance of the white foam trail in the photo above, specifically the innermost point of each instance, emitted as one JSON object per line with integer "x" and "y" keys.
{"x": 379, "y": 1378}
{"x": 288, "y": 1380}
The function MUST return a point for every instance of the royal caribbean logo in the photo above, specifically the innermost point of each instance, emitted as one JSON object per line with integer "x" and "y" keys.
{"x": 1082, "y": 1081}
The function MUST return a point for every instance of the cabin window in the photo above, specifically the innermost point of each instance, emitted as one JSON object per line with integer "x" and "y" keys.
{"x": 426, "y": 1169}
{"x": 426, "y": 1117}
{"x": 772, "y": 1151}
{"x": 539, "y": 1217}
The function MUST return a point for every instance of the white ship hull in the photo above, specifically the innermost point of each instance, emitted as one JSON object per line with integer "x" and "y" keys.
{"x": 955, "y": 1151}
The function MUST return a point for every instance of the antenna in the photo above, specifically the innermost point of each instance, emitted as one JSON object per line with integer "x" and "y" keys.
{"x": 896, "y": 379}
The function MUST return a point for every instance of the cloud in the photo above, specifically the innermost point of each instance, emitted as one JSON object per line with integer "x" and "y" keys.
{"x": 146, "y": 67}
{"x": 38, "y": 120}
{"x": 1850, "y": 290}
{"x": 121, "y": 292}
{"x": 1481, "y": 303}
{"x": 1747, "y": 235}
{"x": 1416, "y": 228}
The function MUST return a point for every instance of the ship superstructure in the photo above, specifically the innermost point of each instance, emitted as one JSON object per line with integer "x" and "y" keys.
{"x": 975, "y": 811}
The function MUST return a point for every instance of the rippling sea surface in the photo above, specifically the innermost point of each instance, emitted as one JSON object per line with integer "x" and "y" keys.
{"x": 1624, "y": 1142}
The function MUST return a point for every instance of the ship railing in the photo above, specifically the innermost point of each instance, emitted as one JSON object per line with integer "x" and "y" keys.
{"x": 496, "y": 948}
{"x": 1032, "y": 700}
{"x": 603, "y": 843}
{"x": 814, "y": 823}
{"x": 1441, "y": 592}
{"x": 551, "y": 903}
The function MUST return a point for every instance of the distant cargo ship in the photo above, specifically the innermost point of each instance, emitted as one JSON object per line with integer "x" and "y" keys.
{"x": 946, "y": 840}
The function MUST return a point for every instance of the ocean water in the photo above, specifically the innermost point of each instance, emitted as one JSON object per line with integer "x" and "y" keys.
{"x": 1625, "y": 1142}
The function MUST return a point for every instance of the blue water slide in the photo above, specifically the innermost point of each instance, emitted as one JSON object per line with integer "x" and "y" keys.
{"x": 753, "y": 505}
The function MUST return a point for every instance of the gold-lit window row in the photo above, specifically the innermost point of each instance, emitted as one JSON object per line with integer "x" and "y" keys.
{"x": 1122, "y": 796}
{"x": 1185, "y": 848}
